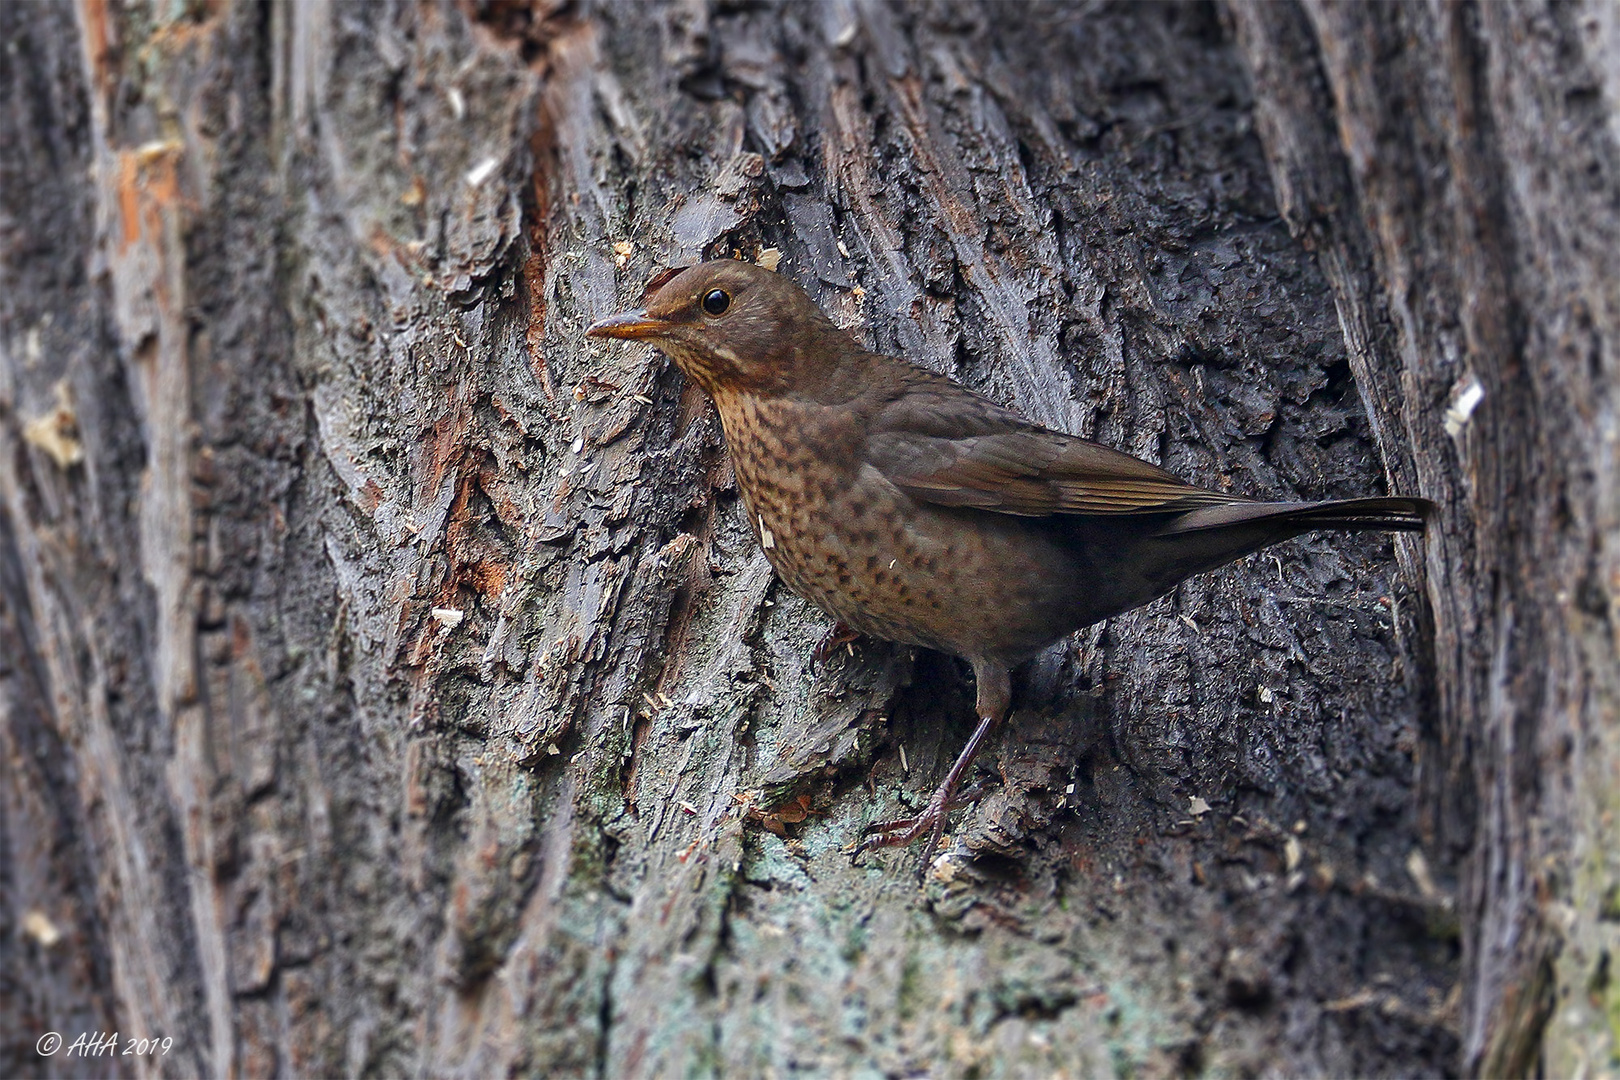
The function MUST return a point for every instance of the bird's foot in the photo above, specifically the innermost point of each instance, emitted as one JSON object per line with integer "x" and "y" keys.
{"x": 903, "y": 831}
{"x": 838, "y": 635}
{"x": 931, "y": 821}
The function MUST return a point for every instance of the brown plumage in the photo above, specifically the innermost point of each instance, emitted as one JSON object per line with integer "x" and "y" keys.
{"x": 912, "y": 509}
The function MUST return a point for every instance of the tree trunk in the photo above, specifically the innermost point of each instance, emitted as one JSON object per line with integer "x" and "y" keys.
{"x": 389, "y": 682}
{"x": 1467, "y": 217}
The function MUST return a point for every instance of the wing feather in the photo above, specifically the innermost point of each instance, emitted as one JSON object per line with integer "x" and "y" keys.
{"x": 946, "y": 445}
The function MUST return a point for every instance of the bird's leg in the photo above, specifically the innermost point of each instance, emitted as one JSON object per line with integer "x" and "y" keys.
{"x": 838, "y": 635}
{"x": 994, "y": 695}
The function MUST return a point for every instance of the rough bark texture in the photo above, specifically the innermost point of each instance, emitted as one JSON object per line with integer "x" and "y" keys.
{"x": 1467, "y": 213}
{"x": 386, "y": 673}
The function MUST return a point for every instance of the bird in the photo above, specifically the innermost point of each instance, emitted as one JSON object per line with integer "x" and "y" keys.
{"x": 912, "y": 509}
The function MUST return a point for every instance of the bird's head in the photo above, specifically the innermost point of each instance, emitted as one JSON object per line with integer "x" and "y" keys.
{"x": 733, "y": 326}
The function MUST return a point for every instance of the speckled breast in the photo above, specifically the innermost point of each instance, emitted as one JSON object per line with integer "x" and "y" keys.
{"x": 810, "y": 522}
{"x": 845, "y": 539}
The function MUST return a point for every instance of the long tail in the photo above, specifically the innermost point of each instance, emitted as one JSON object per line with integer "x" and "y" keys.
{"x": 1282, "y": 519}
{"x": 1212, "y": 536}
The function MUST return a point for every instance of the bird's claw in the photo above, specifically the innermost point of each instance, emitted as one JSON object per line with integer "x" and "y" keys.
{"x": 838, "y": 635}
{"x": 903, "y": 831}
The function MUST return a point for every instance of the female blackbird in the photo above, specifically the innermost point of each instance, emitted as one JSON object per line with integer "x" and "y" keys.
{"x": 910, "y": 508}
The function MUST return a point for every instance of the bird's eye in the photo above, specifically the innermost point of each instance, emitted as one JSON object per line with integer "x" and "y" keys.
{"x": 715, "y": 301}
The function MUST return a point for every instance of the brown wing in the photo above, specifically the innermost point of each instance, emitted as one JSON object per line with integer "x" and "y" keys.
{"x": 943, "y": 444}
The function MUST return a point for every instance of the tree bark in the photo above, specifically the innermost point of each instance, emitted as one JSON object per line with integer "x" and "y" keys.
{"x": 1465, "y": 214}
{"x": 390, "y": 684}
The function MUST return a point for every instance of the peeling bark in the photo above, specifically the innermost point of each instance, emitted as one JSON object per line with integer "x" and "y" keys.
{"x": 387, "y": 674}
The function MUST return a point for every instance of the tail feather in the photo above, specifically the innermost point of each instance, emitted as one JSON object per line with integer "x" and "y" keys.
{"x": 1212, "y": 536}
{"x": 1177, "y": 546}
{"x": 1392, "y": 514}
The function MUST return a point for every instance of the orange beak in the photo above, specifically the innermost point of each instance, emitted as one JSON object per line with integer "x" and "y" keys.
{"x": 629, "y": 326}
